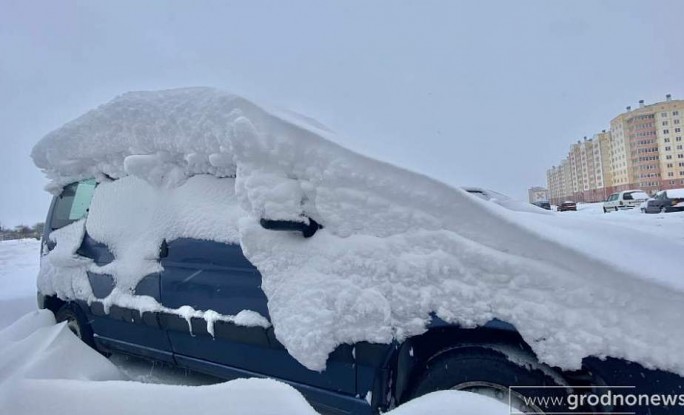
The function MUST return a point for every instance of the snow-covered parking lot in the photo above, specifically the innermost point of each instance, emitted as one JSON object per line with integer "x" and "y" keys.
{"x": 44, "y": 368}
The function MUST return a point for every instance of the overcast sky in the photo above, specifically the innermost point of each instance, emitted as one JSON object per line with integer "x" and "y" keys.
{"x": 487, "y": 93}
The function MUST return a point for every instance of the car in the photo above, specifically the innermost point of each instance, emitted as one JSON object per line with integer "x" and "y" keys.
{"x": 543, "y": 204}
{"x": 239, "y": 263}
{"x": 218, "y": 276}
{"x": 671, "y": 200}
{"x": 568, "y": 205}
{"x": 644, "y": 204}
{"x": 501, "y": 199}
{"x": 626, "y": 199}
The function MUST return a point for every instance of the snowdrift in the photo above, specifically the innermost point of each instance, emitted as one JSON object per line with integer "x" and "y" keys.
{"x": 395, "y": 247}
{"x": 44, "y": 368}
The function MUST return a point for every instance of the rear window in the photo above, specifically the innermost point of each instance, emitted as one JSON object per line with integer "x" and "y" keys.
{"x": 72, "y": 204}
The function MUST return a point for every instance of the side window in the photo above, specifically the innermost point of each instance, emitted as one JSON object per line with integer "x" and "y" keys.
{"x": 72, "y": 204}
{"x": 627, "y": 196}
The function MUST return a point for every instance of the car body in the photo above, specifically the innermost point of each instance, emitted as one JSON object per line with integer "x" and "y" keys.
{"x": 671, "y": 200}
{"x": 501, "y": 200}
{"x": 626, "y": 199}
{"x": 361, "y": 378}
{"x": 568, "y": 205}
{"x": 543, "y": 204}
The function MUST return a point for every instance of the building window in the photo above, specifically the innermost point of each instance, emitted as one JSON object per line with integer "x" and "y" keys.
{"x": 666, "y": 131}
{"x": 668, "y": 148}
{"x": 675, "y": 113}
{"x": 664, "y": 123}
{"x": 678, "y": 130}
{"x": 663, "y": 114}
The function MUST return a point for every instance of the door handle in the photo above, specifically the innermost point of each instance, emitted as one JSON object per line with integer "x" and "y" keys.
{"x": 164, "y": 249}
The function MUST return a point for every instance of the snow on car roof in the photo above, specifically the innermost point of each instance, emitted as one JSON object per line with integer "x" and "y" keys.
{"x": 445, "y": 252}
{"x": 675, "y": 193}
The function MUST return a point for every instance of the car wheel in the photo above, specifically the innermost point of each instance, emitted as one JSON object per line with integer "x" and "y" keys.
{"x": 604, "y": 210}
{"x": 76, "y": 322}
{"x": 616, "y": 209}
{"x": 487, "y": 372}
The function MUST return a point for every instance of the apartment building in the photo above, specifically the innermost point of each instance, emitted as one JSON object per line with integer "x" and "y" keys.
{"x": 643, "y": 150}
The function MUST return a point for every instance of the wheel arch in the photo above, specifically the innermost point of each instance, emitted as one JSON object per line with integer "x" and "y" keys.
{"x": 411, "y": 356}
{"x": 53, "y": 303}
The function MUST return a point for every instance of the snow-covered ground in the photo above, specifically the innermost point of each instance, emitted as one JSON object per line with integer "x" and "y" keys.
{"x": 44, "y": 368}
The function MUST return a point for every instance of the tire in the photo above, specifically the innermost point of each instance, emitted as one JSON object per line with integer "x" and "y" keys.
{"x": 616, "y": 209}
{"x": 77, "y": 323}
{"x": 604, "y": 210}
{"x": 487, "y": 372}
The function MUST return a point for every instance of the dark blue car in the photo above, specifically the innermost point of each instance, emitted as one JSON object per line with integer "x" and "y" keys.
{"x": 665, "y": 201}
{"x": 360, "y": 378}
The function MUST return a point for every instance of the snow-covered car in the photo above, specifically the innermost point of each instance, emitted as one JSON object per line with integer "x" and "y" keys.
{"x": 566, "y": 206}
{"x": 627, "y": 199}
{"x": 670, "y": 200}
{"x": 501, "y": 200}
{"x": 196, "y": 228}
{"x": 643, "y": 205}
{"x": 543, "y": 204}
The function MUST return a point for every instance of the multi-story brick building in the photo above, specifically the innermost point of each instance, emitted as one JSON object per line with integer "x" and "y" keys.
{"x": 643, "y": 150}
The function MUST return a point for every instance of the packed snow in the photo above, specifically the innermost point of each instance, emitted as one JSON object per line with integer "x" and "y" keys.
{"x": 395, "y": 246}
{"x": 44, "y": 368}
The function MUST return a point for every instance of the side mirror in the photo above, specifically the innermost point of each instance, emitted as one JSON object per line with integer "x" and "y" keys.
{"x": 307, "y": 230}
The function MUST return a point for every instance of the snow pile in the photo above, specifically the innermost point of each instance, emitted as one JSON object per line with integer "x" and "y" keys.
{"x": 395, "y": 246}
{"x": 44, "y": 368}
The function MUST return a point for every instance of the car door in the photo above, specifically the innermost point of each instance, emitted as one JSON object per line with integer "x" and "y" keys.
{"x": 117, "y": 327}
{"x": 209, "y": 275}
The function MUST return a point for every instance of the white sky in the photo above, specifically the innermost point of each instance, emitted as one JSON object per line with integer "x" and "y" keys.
{"x": 487, "y": 93}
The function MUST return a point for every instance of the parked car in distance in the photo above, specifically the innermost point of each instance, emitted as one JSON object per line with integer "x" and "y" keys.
{"x": 627, "y": 199}
{"x": 567, "y": 205}
{"x": 543, "y": 204}
{"x": 671, "y": 200}
{"x": 643, "y": 205}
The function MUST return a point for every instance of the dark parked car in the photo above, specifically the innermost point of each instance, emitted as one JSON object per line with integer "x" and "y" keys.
{"x": 567, "y": 205}
{"x": 671, "y": 200}
{"x": 362, "y": 378}
{"x": 543, "y": 204}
